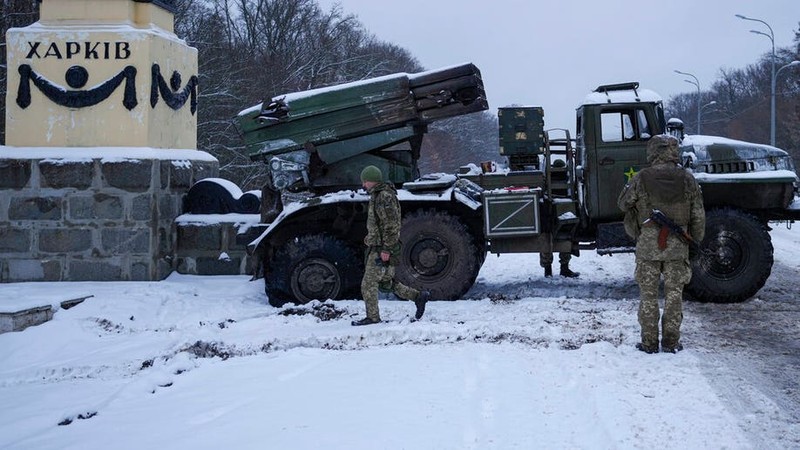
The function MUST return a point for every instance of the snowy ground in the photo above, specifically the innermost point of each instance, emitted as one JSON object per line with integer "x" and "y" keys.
{"x": 523, "y": 362}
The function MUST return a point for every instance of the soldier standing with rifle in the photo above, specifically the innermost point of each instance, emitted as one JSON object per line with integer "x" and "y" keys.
{"x": 663, "y": 189}
{"x": 383, "y": 248}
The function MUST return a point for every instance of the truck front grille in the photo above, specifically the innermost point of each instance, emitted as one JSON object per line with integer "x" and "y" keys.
{"x": 729, "y": 167}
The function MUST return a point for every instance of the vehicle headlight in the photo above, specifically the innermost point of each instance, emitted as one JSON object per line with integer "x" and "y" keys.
{"x": 783, "y": 163}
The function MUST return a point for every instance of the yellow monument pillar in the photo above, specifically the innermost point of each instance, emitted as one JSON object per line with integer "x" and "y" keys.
{"x": 100, "y": 73}
{"x": 101, "y": 134}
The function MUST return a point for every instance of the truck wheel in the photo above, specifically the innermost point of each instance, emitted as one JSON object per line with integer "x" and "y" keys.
{"x": 741, "y": 262}
{"x": 439, "y": 254}
{"x": 312, "y": 267}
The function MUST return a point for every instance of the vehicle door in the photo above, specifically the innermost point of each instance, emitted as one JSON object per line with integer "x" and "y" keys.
{"x": 621, "y": 142}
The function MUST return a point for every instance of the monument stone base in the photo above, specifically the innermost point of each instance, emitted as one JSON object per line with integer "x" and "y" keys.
{"x": 90, "y": 215}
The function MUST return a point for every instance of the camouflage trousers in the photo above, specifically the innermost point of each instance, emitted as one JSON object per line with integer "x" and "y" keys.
{"x": 546, "y": 258}
{"x": 676, "y": 275}
{"x": 381, "y": 277}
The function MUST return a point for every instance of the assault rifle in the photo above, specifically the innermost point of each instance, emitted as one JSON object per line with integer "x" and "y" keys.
{"x": 667, "y": 226}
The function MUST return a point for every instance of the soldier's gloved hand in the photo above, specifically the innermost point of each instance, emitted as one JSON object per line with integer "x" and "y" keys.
{"x": 385, "y": 256}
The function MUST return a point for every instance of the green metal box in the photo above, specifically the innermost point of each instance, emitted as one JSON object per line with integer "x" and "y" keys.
{"x": 511, "y": 212}
{"x": 521, "y": 130}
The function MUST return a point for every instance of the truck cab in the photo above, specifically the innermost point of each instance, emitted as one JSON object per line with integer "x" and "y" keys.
{"x": 613, "y": 126}
{"x": 745, "y": 186}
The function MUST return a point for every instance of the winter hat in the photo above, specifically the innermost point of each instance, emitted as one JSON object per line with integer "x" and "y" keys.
{"x": 371, "y": 173}
{"x": 663, "y": 148}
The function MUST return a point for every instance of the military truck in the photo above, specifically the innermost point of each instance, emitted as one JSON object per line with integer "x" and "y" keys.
{"x": 557, "y": 194}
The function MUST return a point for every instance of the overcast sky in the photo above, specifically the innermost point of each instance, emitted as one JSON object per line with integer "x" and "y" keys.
{"x": 552, "y": 53}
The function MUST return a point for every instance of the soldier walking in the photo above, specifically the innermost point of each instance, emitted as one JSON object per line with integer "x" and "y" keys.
{"x": 668, "y": 187}
{"x": 383, "y": 248}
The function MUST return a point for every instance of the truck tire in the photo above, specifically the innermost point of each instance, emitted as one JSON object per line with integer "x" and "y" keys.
{"x": 312, "y": 267}
{"x": 439, "y": 254}
{"x": 741, "y": 262}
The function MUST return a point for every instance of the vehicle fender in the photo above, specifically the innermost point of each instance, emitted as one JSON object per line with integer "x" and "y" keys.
{"x": 295, "y": 209}
{"x": 463, "y": 191}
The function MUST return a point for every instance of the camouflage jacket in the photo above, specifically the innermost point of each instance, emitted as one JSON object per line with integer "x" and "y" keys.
{"x": 673, "y": 190}
{"x": 383, "y": 219}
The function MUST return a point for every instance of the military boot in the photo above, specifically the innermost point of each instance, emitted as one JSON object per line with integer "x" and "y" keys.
{"x": 647, "y": 348}
{"x": 548, "y": 271}
{"x": 566, "y": 272}
{"x": 364, "y": 321}
{"x": 671, "y": 348}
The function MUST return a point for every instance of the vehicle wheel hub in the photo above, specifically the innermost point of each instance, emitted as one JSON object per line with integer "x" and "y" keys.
{"x": 728, "y": 255}
{"x": 315, "y": 279}
{"x": 429, "y": 257}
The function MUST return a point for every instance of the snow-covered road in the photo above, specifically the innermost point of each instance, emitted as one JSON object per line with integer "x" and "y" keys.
{"x": 753, "y": 348}
{"x": 523, "y": 362}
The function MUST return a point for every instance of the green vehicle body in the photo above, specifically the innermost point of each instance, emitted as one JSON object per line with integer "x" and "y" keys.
{"x": 336, "y": 131}
{"x": 558, "y": 194}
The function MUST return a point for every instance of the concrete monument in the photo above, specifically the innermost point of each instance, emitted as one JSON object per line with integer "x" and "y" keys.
{"x": 101, "y": 126}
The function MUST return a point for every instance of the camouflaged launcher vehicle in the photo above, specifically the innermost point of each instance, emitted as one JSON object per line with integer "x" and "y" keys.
{"x": 557, "y": 194}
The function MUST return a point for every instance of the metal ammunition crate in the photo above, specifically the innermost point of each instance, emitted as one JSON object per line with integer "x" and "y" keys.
{"x": 511, "y": 212}
{"x": 521, "y": 130}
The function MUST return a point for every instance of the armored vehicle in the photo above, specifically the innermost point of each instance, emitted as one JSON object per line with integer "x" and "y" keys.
{"x": 557, "y": 194}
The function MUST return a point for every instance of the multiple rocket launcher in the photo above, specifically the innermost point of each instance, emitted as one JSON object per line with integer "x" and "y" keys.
{"x": 366, "y": 115}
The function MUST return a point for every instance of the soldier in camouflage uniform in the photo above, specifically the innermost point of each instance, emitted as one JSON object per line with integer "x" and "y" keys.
{"x": 670, "y": 188}
{"x": 383, "y": 248}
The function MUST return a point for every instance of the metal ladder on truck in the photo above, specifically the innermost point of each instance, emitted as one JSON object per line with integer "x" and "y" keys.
{"x": 561, "y": 181}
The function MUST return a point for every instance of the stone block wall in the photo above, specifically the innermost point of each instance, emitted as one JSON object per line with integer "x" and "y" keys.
{"x": 216, "y": 244}
{"x": 94, "y": 218}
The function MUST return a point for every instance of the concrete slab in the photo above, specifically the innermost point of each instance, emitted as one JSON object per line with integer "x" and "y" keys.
{"x": 20, "y": 300}
{"x": 18, "y": 321}
{"x": 16, "y": 315}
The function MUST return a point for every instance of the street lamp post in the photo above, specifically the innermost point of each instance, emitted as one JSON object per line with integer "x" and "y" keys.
{"x": 696, "y": 82}
{"x": 777, "y": 72}
{"x": 791, "y": 64}
{"x": 711, "y": 103}
{"x": 771, "y": 37}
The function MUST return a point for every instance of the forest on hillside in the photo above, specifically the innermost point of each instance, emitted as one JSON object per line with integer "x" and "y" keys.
{"x": 250, "y": 50}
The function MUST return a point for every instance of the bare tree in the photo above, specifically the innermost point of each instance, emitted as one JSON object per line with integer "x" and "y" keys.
{"x": 458, "y": 141}
{"x": 742, "y": 106}
{"x": 251, "y": 50}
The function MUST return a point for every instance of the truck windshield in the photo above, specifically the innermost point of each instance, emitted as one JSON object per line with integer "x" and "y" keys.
{"x": 625, "y": 125}
{"x": 661, "y": 124}
{"x": 644, "y": 127}
{"x": 617, "y": 126}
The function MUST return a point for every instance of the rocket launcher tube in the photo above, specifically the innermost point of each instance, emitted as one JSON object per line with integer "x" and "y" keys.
{"x": 351, "y": 110}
